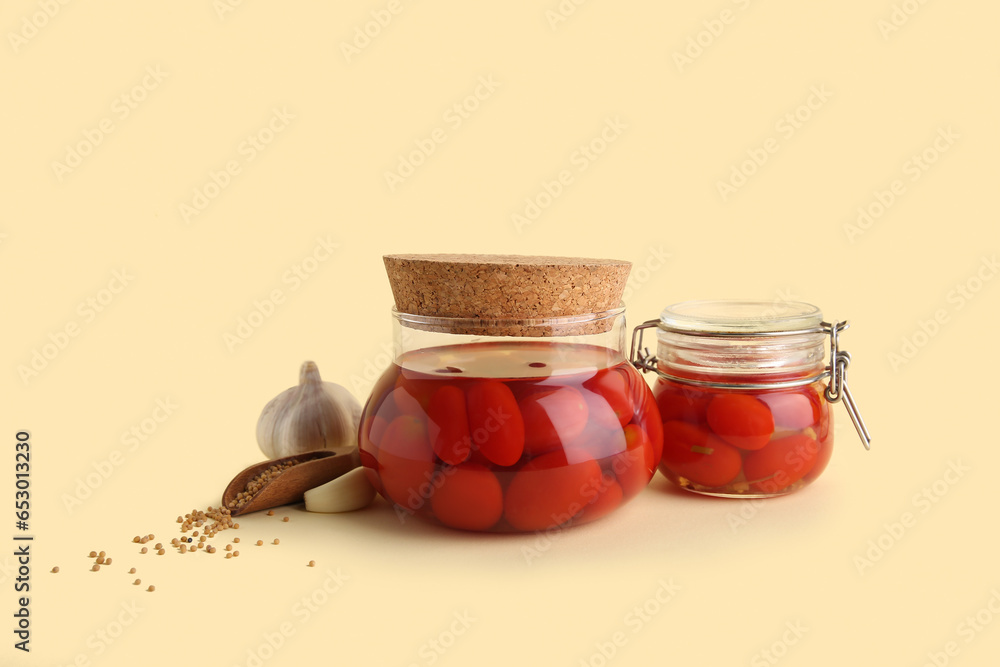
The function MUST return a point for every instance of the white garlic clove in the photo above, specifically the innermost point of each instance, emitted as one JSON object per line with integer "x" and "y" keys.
{"x": 351, "y": 491}
{"x": 310, "y": 416}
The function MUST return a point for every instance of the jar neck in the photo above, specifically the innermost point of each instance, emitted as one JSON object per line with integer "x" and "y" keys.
{"x": 744, "y": 358}
{"x": 418, "y": 332}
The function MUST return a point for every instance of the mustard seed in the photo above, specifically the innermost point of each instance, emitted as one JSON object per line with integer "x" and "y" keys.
{"x": 235, "y": 554}
{"x": 132, "y": 571}
{"x": 276, "y": 541}
{"x": 107, "y": 561}
{"x": 137, "y": 582}
{"x": 151, "y": 588}
{"x": 284, "y": 518}
{"x": 236, "y": 525}
{"x": 180, "y": 519}
{"x": 92, "y": 554}
{"x": 312, "y": 563}
{"x": 195, "y": 534}
{"x": 96, "y": 568}
{"x": 55, "y": 570}
{"x": 184, "y": 548}
{"x": 270, "y": 512}
{"x": 160, "y": 552}
{"x": 150, "y": 537}
{"x": 143, "y": 540}
{"x": 159, "y": 545}
{"x": 260, "y": 543}
{"x": 135, "y": 539}
{"x": 236, "y": 540}
{"x": 143, "y": 550}
{"x": 229, "y": 555}
{"x": 100, "y": 560}
{"x": 229, "y": 547}
{"x": 102, "y": 554}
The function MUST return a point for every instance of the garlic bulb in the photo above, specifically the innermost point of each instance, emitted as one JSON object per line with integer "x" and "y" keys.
{"x": 313, "y": 415}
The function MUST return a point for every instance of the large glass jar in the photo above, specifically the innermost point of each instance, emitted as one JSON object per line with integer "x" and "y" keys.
{"x": 744, "y": 392}
{"x": 505, "y": 433}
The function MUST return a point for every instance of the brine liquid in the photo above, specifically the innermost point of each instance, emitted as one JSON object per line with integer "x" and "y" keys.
{"x": 510, "y": 436}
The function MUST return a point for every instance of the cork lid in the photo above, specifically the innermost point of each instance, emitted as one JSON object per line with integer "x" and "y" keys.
{"x": 505, "y": 295}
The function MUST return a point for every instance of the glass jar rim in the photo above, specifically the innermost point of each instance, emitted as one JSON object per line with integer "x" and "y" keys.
{"x": 445, "y": 322}
{"x": 741, "y": 317}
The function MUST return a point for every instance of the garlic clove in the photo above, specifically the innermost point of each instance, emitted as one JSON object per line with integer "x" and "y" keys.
{"x": 351, "y": 491}
{"x": 311, "y": 416}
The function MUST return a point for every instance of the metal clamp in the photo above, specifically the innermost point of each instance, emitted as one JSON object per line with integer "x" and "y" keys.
{"x": 836, "y": 389}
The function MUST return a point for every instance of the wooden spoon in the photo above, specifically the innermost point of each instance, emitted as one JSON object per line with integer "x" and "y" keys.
{"x": 312, "y": 470}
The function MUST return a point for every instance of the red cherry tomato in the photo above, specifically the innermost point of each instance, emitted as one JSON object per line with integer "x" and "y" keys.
{"x": 741, "y": 420}
{"x": 552, "y": 419}
{"x": 495, "y": 422}
{"x": 681, "y": 403}
{"x": 469, "y": 497}
{"x": 793, "y": 410}
{"x": 692, "y": 452}
{"x": 634, "y": 467}
{"x": 784, "y": 461}
{"x": 606, "y": 500}
{"x": 551, "y": 489}
{"x": 406, "y": 462}
{"x": 613, "y": 387}
{"x": 448, "y": 424}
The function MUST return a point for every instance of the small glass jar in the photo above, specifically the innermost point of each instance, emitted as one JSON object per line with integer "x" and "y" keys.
{"x": 510, "y": 425}
{"x": 744, "y": 391}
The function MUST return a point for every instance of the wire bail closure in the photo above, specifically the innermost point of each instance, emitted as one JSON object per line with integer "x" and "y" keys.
{"x": 836, "y": 390}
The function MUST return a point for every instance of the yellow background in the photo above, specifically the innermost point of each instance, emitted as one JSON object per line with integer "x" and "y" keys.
{"x": 682, "y": 128}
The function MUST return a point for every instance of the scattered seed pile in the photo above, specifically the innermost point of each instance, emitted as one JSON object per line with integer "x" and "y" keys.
{"x": 214, "y": 520}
